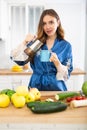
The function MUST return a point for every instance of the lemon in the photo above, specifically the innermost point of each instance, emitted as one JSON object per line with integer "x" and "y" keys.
{"x": 17, "y": 68}
{"x": 4, "y": 100}
{"x": 36, "y": 92}
{"x": 30, "y": 97}
{"x": 18, "y": 101}
{"x": 22, "y": 90}
{"x": 13, "y": 97}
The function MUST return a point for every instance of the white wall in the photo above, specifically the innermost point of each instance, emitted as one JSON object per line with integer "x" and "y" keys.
{"x": 72, "y": 15}
{"x": 86, "y": 45}
{"x": 3, "y": 19}
{"x": 73, "y": 19}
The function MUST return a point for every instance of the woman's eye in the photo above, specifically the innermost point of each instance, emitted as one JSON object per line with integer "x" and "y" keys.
{"x": 51, "y": 22}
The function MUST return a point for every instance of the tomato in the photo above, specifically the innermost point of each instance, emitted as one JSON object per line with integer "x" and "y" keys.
{"x": 69, "y": 99}
{"x": 73, "y": 98}
{"x": 79, "y": 98}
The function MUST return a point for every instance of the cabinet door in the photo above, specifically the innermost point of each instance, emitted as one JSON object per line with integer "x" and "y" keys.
{"x": 5, "y": 82}
{"x": 19, "y": 80}
{"x": 75, "y": 82}
{"x": 12, "y": 82}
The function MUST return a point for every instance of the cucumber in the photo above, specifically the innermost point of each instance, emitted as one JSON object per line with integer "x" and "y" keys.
{"x": 31, "y": 104}
{"x": 41, "y": 103}
{"x": 48, "y": 107}
{"x": 64, "y": 95}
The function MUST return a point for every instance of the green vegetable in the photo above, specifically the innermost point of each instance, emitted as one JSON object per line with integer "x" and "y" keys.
{"x": 4, "y": 91}
{"x": 47, "y": 107}
{"x": 31, "y": 104}
{"x": 40, "y": 103}
{"x": 84, "y": 88}
{"x": 8, "y": 92}
{"x": 64, "y": 95}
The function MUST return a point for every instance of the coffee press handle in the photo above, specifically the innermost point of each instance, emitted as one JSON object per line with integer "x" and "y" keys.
{"x": 31, "y": 42}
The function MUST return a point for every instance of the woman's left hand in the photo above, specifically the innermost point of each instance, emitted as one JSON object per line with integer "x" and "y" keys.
{"x": 57, "y": 63}
{"x": 61, "y": 69}
{"x": 55, "y": 59}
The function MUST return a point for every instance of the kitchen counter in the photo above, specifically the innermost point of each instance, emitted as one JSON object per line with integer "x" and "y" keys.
{"x": 24, "y": 115}
{"x": 76, "y": 71}
{"x": 13, "y": 118}
{"x": 9, "y": 72}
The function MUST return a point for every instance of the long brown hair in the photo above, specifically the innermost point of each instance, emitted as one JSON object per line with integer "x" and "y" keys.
{"x": 40, "y": 32}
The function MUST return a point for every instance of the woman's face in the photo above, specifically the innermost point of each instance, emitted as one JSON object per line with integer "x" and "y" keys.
{"x": 50, "y": 25}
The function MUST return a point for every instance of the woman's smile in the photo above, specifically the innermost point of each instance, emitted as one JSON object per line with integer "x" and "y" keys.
{"x": 49, "y": 32}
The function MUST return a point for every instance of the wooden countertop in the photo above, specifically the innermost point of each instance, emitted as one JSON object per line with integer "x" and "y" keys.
{"x": 24, "y": 115}
{"x": 76, "y": 71}
{"x": 9, "y": 72}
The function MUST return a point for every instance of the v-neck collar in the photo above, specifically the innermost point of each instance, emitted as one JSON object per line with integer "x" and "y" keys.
{"x": 53, "y": 44}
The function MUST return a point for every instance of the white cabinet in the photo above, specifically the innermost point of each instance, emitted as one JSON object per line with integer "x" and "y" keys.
{"x": 5, "y": 82}
{"x": 19, "y": 80}
{"x": 12, "y": 81}
{"x": 74, "y": 83}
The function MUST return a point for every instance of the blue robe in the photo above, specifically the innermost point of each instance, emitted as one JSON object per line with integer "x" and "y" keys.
{"x": 44, "y": 73}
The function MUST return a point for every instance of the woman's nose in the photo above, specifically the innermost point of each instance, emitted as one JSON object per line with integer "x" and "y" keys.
{"x": 47, "y": 26}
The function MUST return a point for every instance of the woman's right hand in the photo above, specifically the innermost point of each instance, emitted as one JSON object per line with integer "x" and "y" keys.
{"x": 29, "y": 38}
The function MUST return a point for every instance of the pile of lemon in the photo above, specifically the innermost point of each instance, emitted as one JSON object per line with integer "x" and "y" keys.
{"x": 23, "y": 95}
{"x": 19, "y": 97}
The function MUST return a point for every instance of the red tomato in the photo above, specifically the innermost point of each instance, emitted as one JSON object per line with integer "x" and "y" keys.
{"x": 73, "y": 98}
{"x": 79, "y": 98}
{"x": 69, "y": 99}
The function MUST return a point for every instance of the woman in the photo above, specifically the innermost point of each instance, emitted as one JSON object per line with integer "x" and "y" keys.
{"x": 51, "y": 76}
